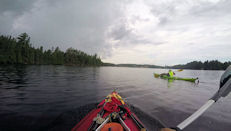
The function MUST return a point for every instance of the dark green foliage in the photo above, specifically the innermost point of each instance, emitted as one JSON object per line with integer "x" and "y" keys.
{"x": 207, "y": 65}
{"x": 108, "y": 64}
{"x": 20, "y": 51}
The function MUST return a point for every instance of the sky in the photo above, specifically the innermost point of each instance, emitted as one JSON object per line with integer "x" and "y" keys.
{"x": 159, "y": 32}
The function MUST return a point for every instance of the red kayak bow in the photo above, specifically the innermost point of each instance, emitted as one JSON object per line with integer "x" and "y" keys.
{"x": 111, "y": 114}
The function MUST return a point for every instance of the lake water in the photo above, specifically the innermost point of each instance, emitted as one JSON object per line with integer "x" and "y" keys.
{"x": 32, "y": 96}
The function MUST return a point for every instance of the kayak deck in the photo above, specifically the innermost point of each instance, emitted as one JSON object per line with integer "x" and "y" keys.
{"x": 111, "y": 111}
{"x": 175, "y": 78}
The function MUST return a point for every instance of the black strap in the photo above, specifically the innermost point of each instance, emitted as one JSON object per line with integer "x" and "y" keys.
{"x": 140, "y": 125}
{"x": 176, "y": 128}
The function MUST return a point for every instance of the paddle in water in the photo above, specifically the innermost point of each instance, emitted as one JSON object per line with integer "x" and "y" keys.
{"x": 179, "y": 70}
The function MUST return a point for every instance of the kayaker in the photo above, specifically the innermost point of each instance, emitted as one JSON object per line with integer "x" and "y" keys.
{"x": 171, "y": 73}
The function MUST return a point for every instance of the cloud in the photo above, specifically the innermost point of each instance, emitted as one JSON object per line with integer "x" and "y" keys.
{"x": 78, "y": 24}
{"x": 124, "y": 35}
{"x": 120, "y": 32}
{"x": 10, "y": 10}
{"x": 16, "y": 6}
{"x": 149, "y": 32}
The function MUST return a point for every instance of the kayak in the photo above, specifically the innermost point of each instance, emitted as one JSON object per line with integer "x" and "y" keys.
{"x": 111, "y": 114}
{"x": 174, "y": 78}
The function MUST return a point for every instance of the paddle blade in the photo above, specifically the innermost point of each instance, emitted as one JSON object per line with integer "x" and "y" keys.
{"x": 225, "y": 81}
{"x": 179, "y": 70}
{"x": 225, "y": 85}
{"x": 156, "y": 75}
{"x": 226, "y": 76}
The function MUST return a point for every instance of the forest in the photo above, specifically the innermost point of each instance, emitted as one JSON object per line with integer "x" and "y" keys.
{"x": 207, "y": 65}
{"x": 195, "y": 65}
{"x": 19, "y": 50}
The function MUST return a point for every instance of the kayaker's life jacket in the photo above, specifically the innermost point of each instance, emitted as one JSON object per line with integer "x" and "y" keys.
{"x": 170, "y": 73}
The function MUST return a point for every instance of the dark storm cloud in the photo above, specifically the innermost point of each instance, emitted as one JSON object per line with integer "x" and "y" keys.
{"x": 11, "y": 9}
{"x": 80, "y": 24}
{"x": 164, "y": 12}
{"x": 120, "y": 32}
{"x": 118, "y": 27}
{"x": 125, "y": 35}
{"x": 15, "y": 6}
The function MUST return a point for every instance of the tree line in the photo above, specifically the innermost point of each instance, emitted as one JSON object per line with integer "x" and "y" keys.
{"x": 19, "y": 50}
{"x": 196, "y": 65}
{"x": 207, "y": 65}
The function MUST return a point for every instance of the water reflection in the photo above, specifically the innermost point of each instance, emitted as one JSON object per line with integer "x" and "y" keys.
{"x": 39, "y": 94}
{"x": 15, "y": 76}
{"x": 170, "y": 82}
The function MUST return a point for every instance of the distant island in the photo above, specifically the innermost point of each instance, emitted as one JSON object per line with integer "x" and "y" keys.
{"x": 133, "y": 65}
{"x": 207, "y": 65}
{"x": 195, "y": 65}
{"x": 20, "y": 51}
